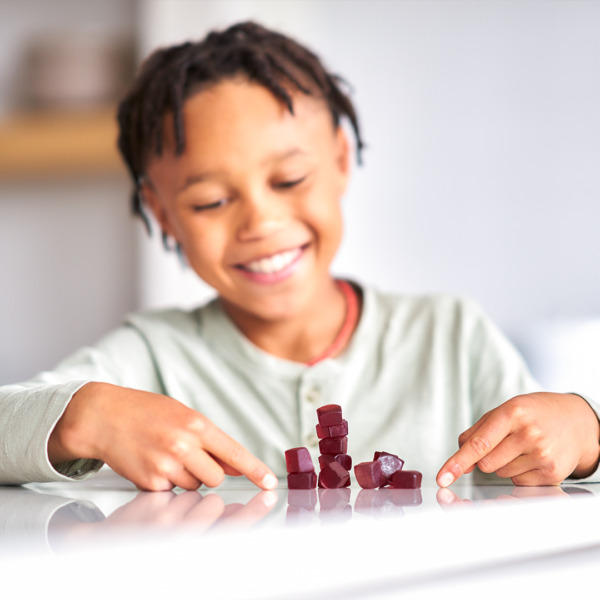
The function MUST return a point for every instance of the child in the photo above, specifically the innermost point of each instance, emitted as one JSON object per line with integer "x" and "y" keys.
{"x": 235, "y": 146}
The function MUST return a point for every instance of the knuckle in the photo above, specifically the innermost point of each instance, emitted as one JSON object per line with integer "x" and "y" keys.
{"x": 154, "y": 483}
{"x": 195, "y": 422}
{"x": 532, "y": 435}
{"x": 163, "y": 467}
{"x": 516, "y": 409}
{"x": 176, "y": 446}
{"x": 479, "y": 444}
{"x": 544, "y": 455}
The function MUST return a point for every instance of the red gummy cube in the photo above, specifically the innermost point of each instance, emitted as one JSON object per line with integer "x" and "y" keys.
{"x": 334, "y": 445}
{"x": 302, "y": 481}
{"x": 330, "y": 414}
{"x": 298, "y": 460}
{"x": 390, "y": 463}
{"x": 334, "y": 475}
{"x": 406, "y": 480}
{"x": 369, "y": 474}
{"x": 338, "y": 430}
{"x": 344, "y": 459}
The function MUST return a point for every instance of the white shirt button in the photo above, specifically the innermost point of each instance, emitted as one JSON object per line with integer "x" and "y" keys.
{"x": 313, "y": 395}
{"x": 312, "y": 440}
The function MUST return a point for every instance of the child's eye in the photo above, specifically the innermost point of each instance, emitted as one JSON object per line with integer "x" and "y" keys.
{"x": 284, "y": 185}
{"x": 209, "y": 206}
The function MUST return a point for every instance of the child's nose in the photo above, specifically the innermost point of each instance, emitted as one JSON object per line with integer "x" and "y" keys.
{"x": 262, "y": 216}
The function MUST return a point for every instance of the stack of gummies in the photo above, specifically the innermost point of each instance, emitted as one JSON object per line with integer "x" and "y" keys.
{"x": 385, "y": 470}
{"x": 334, "y": 461}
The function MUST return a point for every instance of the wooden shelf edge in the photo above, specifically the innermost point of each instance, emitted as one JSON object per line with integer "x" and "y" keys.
{"x": 59, "y": 143}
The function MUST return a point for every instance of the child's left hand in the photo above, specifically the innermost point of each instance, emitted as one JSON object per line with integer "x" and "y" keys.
{"x": 535, "y": 439}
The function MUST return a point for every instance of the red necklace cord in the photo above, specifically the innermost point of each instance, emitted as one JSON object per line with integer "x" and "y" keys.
{"x": 348, "y": 326}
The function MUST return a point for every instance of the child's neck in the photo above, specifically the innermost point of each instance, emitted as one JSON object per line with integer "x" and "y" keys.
{"x": 322, "y": 331}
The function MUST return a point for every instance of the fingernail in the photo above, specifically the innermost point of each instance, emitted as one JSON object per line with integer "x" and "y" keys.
{"x": 445, "y": 479}
{"x": 269, "y": 481}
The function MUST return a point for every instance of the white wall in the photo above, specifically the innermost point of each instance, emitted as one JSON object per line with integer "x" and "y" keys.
{"x": 67, "y": 269}
{"x": 481, "y": 118}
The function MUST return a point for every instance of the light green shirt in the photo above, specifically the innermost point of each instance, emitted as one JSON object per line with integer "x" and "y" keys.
{"x": 418, "y": 371}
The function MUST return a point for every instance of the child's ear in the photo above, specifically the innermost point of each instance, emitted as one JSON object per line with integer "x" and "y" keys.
{"x": 157, "y": 208}
{"x": 343, "y": 156}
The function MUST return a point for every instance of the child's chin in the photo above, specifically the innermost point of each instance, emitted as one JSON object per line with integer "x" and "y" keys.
{"x": 275, "y": 314}
{"x": 268, "y": 310}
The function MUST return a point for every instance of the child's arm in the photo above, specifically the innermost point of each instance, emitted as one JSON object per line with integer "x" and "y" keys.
{"x": 151, "y": 439}
{"x": 535, "y": 439}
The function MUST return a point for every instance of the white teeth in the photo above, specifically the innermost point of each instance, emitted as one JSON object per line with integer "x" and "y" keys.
{"x": 273, "y": 264}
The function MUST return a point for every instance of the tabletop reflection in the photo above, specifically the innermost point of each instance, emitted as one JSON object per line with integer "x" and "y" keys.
{"x": 163, "y": 512}
{"x": 448, "y": 497}
{"x": 56, "y": 517}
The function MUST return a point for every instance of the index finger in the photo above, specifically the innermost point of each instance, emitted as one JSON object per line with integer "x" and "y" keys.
{"x": 480, "y": 442}
{"x": 231, "y": 453}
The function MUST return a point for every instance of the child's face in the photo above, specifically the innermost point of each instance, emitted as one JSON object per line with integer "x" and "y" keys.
{"x": 254, "y": 201}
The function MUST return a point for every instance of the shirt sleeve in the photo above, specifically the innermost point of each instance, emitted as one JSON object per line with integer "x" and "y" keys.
{"x": 595, "y": 476}
{"x": 30, "y": 410}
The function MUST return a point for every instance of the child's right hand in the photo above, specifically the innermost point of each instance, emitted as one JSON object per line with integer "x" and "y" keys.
{"x": 153, "y": 440}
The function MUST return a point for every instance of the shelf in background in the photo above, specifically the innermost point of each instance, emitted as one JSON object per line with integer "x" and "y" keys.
{"x": 59, "y": 143}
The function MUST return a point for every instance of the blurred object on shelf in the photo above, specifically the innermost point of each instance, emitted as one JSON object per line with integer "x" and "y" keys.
{"x": 75, "y": 69}
{"x": 66, "y": 125}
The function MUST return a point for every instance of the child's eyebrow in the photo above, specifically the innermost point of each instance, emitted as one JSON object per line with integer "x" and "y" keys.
{"x": 281, "y": 156}
{"x": 197, "y": 178}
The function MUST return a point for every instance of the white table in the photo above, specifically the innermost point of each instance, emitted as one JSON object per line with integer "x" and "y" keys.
{"x": 102, "y": 538}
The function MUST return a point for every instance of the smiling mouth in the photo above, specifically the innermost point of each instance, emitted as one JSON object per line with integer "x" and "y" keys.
{"x": 275, "y": 263}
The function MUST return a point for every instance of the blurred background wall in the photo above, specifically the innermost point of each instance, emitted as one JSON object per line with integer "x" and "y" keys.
{"x": 481, "y": 174}
{"x": 67, "y": 243}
